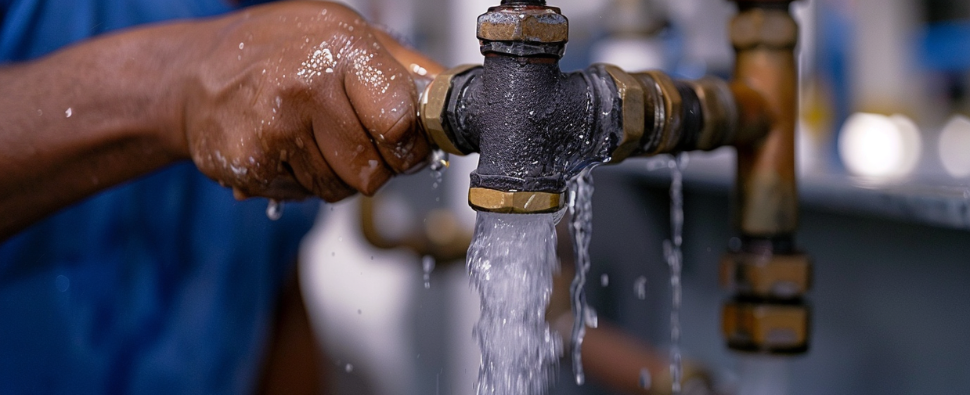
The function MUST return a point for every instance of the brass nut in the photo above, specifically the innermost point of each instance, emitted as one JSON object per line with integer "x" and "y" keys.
{"x": 632, "y": 103}
{"x": 764, "y": 27}
{"x": 432, "y": 108}
{"x": 523, "y": 24}
{"x": 766, "y": 327}
{"x": 720, "y": 112}
{"x": 766, "y": 276}
{"x": 484, "y": 199}
{"x": 665, "y": 111}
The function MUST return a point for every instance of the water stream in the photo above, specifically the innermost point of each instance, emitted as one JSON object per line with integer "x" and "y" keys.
{"x": 581, "y": 228}
{"x": 510, "y": 262}
{"x": 672, "y": 252}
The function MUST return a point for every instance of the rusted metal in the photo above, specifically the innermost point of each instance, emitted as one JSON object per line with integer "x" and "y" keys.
{"x": 523, "y": 24}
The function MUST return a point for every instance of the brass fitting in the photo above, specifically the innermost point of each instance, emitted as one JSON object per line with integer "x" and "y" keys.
{"x": 432, "y": 109}
{"x": 632, "y": 98}
{"x": 484, "y": 199}
{"x": 762, "y": 27}
{"x": 782, "y": 277}
{"x": 771, "y": 328}
{"x": 662, "y": 96}
{"x": 523, "y": 24}
{"x": 720, "y": 113}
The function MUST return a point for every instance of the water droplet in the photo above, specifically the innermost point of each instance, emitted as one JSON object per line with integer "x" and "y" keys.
{"x": 640, "y": 287}
{"x": 274, "y": 210}
{"x": 427, "y": 265}
{"x": 605, "y": 280}
{"x": 242, "y": 45}
{"x": 349, "y": 368}
{"x": 69, "y": 112}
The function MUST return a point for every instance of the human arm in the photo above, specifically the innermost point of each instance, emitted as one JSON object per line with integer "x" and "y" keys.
{"x": 108, "y": 110}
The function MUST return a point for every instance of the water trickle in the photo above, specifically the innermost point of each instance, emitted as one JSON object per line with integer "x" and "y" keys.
{"x": 581, "y": 228}
{"x": 640, "y": 287}
{"x": 605, "y": 280}
{"x": 274, "y": 210}
{"x": 510, "y": 263}
{"x": 427, "y": 265}
{"x": 672, "y": 252}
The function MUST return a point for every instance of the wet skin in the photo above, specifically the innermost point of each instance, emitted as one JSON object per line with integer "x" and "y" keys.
{"x": 287, "y": 101}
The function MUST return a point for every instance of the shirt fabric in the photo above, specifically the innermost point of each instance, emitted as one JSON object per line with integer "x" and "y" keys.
{"x": 164, "y": 285}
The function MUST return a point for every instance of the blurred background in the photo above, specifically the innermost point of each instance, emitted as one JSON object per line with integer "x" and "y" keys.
{"x": 884, "y": 163}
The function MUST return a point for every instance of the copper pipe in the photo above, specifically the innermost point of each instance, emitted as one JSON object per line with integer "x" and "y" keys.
{"x": 764, "y": 36}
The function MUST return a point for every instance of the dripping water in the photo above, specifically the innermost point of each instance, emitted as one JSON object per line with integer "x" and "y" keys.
{"x": 427, "y": 265}
{"x": 581, "y": 227}
{"x": 274, "y": 210}
{"x": 672, "y": 252}
{"x": 439, "y": 162}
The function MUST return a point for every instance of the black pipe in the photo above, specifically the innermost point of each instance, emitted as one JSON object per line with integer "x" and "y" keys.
{"x": 524, "y": 2}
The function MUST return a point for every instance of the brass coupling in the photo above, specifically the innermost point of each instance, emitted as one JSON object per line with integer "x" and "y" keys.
{"x": 764, "y": 27}
{"x": 516, "y": 202}
{"x": 766, "y": 328}
{"x": 768, "y": 276}
{"x": 434, "y": 101}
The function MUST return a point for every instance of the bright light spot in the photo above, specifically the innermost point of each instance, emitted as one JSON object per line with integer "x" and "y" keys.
{"x": 955, "y": 146}
{"x": 879, "y": 146}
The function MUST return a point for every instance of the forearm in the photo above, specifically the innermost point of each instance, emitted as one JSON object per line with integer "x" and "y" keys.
{"x": 87, "y": 118}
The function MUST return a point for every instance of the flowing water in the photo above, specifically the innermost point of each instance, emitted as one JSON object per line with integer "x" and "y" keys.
{"x": 581, "y": 228}
{"x": 274, "y": 209}
{"x": 672, "y": 252}
{"x": 510, "y": 263}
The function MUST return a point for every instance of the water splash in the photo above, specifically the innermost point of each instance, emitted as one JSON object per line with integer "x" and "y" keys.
{"x": 581, "y": 229}
{"x": 274, "y": 210}
{"x": 427, "y": 265}
{"x": 510, "y": 263}
{"x": 672, "y": 252}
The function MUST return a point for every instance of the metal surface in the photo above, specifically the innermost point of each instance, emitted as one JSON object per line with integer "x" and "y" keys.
{"x": 433, "y": 107}
{"x": 484, "y": 199}
{"x": 632, "y": 99}
{"x": 523, "y": 23}
{"x": 766, "y": 328}
{"x": 781, "y": 277}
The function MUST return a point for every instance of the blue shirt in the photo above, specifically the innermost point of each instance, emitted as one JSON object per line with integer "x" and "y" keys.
{"x": 164, "y": 285}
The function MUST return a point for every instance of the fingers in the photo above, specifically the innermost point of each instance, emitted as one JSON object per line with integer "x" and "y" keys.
{"x": 348, "y": 149}
{"x": 384, "y": 98}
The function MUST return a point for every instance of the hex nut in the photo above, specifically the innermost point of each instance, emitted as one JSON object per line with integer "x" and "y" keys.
{"x": 664, "y": 108}
{"x": 432, "y": 108}
{"x": 771, "y": 328}
{"x": 758, "y": 27}
{"x": 779, "y": 277}
{"x": 517, "y": 202}
{"x": 523, "y": 24}
{"x": 632, "y": 99}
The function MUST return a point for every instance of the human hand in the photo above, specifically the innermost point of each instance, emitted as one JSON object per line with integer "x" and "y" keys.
{"x": 297, "y": 99}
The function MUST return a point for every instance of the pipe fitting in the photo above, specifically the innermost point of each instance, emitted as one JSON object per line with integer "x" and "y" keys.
{"x": 766, "y": 328}
{"x": 485, "y": 199}
{"x": 766, "y": 276}
{"x": 764, "y": 27}
{"x": 432, "y": 109}
{"x": 523, "y": 29}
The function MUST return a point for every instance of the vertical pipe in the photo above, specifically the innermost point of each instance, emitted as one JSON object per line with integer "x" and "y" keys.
{"x": 764, "y": 36}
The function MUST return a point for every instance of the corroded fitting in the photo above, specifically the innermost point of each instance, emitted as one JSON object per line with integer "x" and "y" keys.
{"x": 766, "y": 328}
{"x": 432, "y": 109}
{"x": 523, "y": 23}
{"x": 631, "y": 96}
{"x": 780, "y": 277}
{"x": 518, "y": 202}
{"x": 761, "y": 27}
